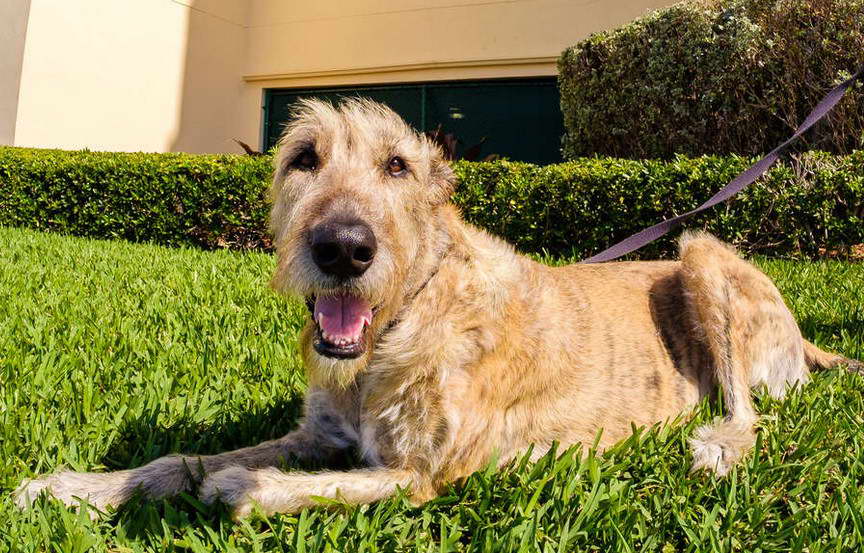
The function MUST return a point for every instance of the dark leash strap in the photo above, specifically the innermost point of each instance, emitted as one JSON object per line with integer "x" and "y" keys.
{"x": 740, "y": 182}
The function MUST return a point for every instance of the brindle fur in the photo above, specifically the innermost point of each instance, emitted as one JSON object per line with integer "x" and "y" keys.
{"x": 476, "y": 352}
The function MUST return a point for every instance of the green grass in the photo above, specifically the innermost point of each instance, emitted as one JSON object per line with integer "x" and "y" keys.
{"x": 113, "y": 354}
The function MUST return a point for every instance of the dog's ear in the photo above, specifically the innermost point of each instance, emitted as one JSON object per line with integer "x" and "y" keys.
{"x": 443, "y": 179}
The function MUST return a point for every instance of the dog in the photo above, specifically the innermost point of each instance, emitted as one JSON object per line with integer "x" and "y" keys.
{"x": 433, "y": 348}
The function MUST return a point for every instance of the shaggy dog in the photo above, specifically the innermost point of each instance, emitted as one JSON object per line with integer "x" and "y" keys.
{"x": 433, "y": 347}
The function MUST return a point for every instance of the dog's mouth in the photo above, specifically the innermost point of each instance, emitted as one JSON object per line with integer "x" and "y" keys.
{"x": 341, "y": 322}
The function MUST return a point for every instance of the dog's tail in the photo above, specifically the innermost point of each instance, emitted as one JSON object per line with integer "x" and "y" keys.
{"x": 818, "y": 359}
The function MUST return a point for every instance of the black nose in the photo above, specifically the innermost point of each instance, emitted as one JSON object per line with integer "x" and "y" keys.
{"x": 343, "y": 249}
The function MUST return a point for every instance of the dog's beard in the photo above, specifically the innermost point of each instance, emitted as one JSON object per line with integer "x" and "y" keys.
{"x": 338, "y": 338}
{"x": 340, "y": 372}
{"x": 333, "y": 373}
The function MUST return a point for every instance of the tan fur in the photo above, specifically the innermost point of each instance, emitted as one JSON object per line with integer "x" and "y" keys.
{"x": 476, "y": 352}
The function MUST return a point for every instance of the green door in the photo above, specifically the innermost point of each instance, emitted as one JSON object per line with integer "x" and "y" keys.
{"x": 516, "y": 119}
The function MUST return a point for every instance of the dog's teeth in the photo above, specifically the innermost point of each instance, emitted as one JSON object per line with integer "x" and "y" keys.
{"x": 339, "y": 341}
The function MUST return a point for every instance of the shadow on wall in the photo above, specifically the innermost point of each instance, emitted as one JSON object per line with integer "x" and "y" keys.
{"x": 212, "y": 78}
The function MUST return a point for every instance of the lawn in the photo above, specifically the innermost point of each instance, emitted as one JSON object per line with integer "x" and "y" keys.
{"x": 113, "y": 354}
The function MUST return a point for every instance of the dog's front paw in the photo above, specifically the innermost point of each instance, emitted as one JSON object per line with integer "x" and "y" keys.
{"x": 69, "y": 487}
{"x": 30, "y": 490}
{"x": 236, "y": 487}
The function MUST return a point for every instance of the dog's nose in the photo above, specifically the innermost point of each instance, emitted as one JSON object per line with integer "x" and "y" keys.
{"x": 343, "y": 249}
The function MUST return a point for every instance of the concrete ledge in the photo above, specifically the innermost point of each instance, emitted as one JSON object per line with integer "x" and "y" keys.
{"x": 432, "y": 71}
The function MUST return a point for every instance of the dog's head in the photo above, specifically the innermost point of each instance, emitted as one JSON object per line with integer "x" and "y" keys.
{"x": 353, "y": 194}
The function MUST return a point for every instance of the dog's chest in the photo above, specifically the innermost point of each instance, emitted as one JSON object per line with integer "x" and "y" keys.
{"x": 404, "y": 424}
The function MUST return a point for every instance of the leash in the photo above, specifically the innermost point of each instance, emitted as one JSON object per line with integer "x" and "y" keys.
{"x": 737, "y": 184}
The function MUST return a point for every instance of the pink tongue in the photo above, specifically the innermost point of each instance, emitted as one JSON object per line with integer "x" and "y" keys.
{"x": 342, "y": 318}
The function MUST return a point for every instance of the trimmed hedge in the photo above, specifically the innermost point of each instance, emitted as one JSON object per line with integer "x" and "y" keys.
{"x": 714, "y": 77}
{"x": 806, "y": 207}
{"x": 208, "y": 201}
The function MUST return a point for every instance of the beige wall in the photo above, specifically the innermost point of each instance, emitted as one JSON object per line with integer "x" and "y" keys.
{"x": 326, "y": 43}
{"x": 305, "y": 42}
{"x": 212, "y": 84}
{"x": 189, "y": 75}
{"x": 151, "y": 75}
{"x": 13, "y": 30}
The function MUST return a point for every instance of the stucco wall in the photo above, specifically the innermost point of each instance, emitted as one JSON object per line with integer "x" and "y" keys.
{"x": 13, "y": 30}
{"x": 304, "y": 41}
{"x": 151, "y": 75}
{"x": 189, "y": 75}
{"x": 212, "y": 79}
{"x": 327, "y": 43}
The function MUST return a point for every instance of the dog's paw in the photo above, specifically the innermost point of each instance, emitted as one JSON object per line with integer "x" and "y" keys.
{"x": 71, "y": 488}
{"x": 29, "y": 490}
{"x": 235, "y": 486}
{"x": 720, "y": 446}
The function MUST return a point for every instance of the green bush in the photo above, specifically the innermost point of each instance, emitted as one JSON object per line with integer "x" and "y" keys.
{"x": 208, "y": 201}
{"x": 806, "y": 207}
{"x": 812, "y": 205}
{"x": 726, "y": 76}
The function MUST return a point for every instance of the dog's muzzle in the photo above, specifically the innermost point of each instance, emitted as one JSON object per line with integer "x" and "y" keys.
{"x": 343, "y": 249}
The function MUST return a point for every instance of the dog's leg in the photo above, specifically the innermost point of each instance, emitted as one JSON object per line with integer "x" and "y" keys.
{"x": 274, "y": 491}
{"x": 751, "y": 336}
{"x": 163, "y": 477}
{"x": 321, "y": 435}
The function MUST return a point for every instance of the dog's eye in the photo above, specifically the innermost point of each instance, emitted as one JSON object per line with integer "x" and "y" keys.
{"x": 396, "y": 166}
{"x": 307, "y": 160}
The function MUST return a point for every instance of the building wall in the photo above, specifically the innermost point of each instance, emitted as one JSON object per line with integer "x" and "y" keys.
{"x": 212, "y": 80}
{"x": 327, "y": 43}
{"x": 13, "y": 30}
{"x": 150, "y": 75}
{"x": 189, "y": 75}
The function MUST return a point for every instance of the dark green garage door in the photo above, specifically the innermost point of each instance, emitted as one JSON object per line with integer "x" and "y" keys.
{"x": 519, "y": 119}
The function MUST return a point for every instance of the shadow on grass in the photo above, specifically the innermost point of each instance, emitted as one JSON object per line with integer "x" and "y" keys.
{"x": 829, "y": 332}
{"x": 143, "y": 440}
{"x": 832, "y": 326}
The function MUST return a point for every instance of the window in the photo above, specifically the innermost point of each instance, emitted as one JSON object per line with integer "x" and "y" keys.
{"x": 517, "y": 119}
